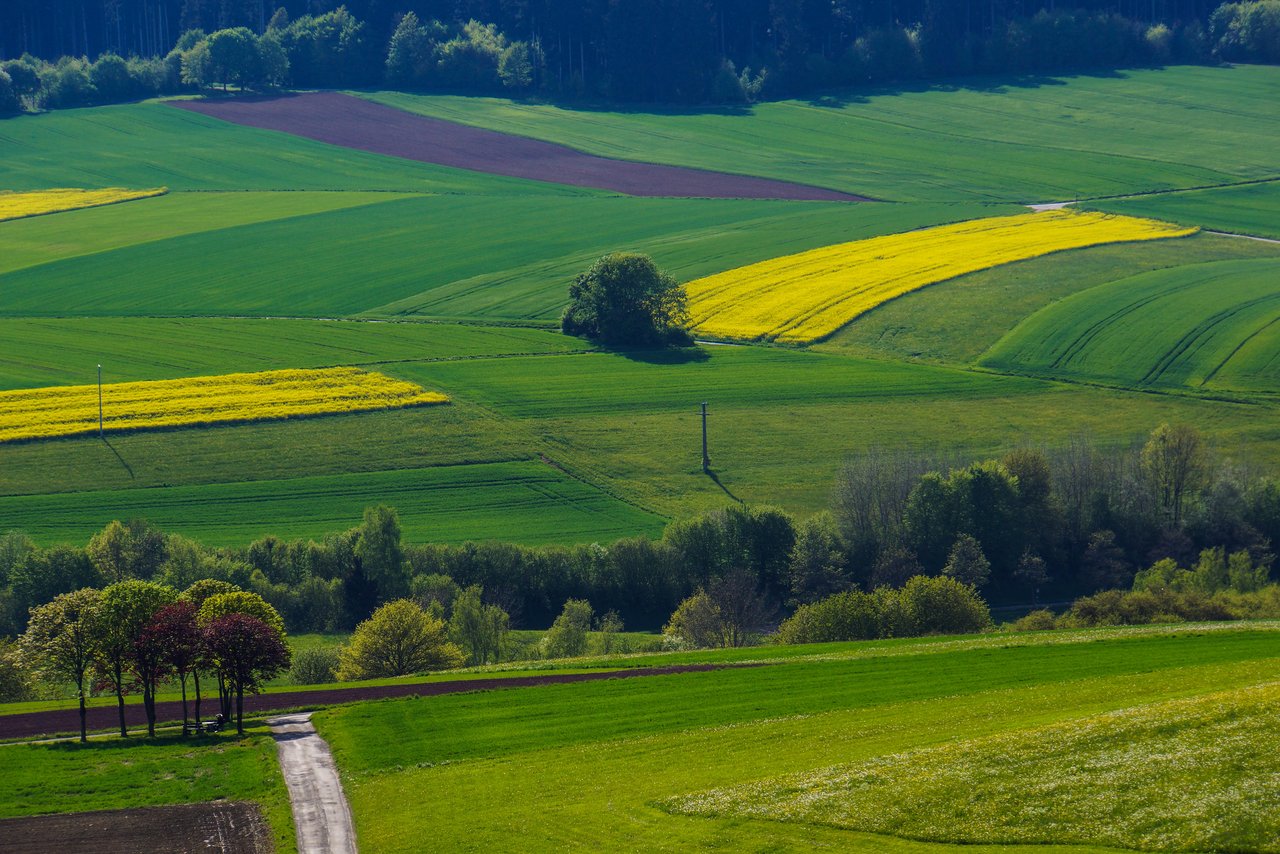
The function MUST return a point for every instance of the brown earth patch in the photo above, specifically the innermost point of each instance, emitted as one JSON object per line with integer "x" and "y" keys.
{"x": 230, "y": 828}
{"x": 105, "y": 716}
{"x": 351, "y": 122}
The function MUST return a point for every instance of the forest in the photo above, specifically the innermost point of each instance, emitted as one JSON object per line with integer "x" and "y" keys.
{"x": 721, "y": 51}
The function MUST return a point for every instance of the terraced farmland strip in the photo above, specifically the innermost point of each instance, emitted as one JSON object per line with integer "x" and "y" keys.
{"x": 41, "y": 240}
{"x": 40, "y": 202}
{"x": 1024, "y": 139}
{"x": 1249, "y": 209}
{"x": 441, "y": 256}
{"x": 340, "y": 119}
{"x": 55, "y": 411}
{"x": 802, "y": 298}
{"x": 528, "y": 502}
{"x": 63, "y": 351}
{"x": 153, "y": 145}
{"x": 1202, "y": 326}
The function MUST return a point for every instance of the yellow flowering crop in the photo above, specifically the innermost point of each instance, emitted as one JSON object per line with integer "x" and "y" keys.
{"x": 71, "y": 410}
{"x": 801, "y": 298}
{"x": 18, "y": 205}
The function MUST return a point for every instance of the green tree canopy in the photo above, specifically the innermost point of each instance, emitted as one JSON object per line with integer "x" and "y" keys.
{"x": 399, "y": 639}
{"x": 625, "y": 300}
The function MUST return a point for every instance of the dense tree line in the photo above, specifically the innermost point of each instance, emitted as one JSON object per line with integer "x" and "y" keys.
{"x": 722, "y": 51}
{"x": 1032, "y": 524}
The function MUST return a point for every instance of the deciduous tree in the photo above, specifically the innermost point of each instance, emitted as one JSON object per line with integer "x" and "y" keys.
{"x": 247, "y": 652}
{"x": 399, "y": 639}
{"x": 62, "y": 641}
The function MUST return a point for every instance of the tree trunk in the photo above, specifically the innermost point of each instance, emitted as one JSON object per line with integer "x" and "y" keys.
{"x": 124, "y": 732}
{"x": 83, "y": 731}
{"x": 195, "y": 674}
{"x": 149, "y": 706}
{"x": 239, "y": 710}
{"x": 185, "y": 719}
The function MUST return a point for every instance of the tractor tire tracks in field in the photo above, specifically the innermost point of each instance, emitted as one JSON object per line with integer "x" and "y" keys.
{"x": 321, "y": 813}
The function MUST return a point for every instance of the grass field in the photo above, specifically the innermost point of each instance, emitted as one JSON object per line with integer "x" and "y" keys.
{"x": 1204, "y": 326}
{"x": 594, "y": 766}
{"x": 196, "y": 282}
{"x": 1005, "y": 139}
{"x": 1248, "y": 209}
{"x": 385, "y": 254}
{"x": 116, "y": 774}
{"x": 525, "y": 501}
{"x": 960, "y": 322}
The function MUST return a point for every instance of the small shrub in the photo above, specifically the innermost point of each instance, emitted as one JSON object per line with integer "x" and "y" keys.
{"x": 316, "y": 666}
{"x": 1037, "y": 621}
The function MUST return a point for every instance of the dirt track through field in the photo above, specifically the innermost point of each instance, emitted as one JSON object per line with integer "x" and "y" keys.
{"x": 352, "y": 122}
{"x": 221, "y": 826}
{"x": 103, "y": 714}
{"x": 321, "y": 813}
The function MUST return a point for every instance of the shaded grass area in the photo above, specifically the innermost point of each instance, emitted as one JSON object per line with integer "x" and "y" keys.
{"x": 1023, "y": 139}
{"x": 528, "y": 502}
{"x": 584, "y": 768}
{"x": 960, "y": 319}
{"x": 36, "y": 352}
{"x": 441, "y": 255}
{"x": 1183, "y": 775}
{"x": 39, "y": 779}
{"x": 153, "y": 145}
{"x": 1201, "y": 326}
{"x": 1250, "y": 209}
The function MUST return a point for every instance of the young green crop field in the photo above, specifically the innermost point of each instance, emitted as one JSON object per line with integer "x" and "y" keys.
{"x": 1205, "y": 326}
{"x": 272, "y": 252}
{"x": 707, "y": 760}
{"x": 1246, "y": 209}
{"x": 442, "y": 504}
{"x": 998, "y": 139}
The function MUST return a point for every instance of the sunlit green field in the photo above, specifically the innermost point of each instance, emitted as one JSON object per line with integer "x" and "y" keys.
{"x": 641, "y": 764}
{"x": 229, "y": 272}
{"x": 1005, "y": 139}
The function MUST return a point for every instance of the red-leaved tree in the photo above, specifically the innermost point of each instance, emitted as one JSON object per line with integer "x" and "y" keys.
{"x": 174, "y": 634}
{"x": 246, "y": 652}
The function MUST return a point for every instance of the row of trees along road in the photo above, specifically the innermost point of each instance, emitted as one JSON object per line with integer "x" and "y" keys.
{"x": 135, "y": 635}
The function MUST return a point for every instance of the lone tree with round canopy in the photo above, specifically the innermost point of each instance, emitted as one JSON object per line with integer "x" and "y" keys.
{"x": 624, "y": 300}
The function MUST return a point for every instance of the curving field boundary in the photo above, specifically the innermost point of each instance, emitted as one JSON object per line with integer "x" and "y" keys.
{"x": 352, "y": 122}
{"x": 32, "y": 724}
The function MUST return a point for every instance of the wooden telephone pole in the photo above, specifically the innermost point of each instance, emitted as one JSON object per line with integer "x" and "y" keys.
{"x": 706, "y": 460}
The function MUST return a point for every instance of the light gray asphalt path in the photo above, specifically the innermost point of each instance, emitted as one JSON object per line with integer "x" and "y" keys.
{"x": 320, "y": 810}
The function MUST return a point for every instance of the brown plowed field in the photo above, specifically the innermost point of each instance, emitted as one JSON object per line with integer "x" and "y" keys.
{"x": 103, "y": 715}
{"x": 230, "y": 828}
{"x": 344, "y": 120}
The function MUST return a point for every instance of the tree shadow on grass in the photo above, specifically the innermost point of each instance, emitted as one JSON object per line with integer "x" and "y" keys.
{"x": 667, "y": 356}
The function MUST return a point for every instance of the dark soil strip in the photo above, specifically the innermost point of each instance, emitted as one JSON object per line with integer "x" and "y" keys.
{"x": 230, "y": 828}
{"x": 106, "y": 716}
{"x": 344, "y": 120}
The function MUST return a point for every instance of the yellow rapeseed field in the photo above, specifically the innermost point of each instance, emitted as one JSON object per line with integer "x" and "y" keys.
{"x": 19, "y": 205}
{"x": 801, "y": 298}
{"x": 71, "y": 410}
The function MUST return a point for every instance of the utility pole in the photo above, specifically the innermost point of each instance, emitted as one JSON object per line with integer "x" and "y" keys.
{"x": 706, "y": 460}
{"x": 99, "y": 401}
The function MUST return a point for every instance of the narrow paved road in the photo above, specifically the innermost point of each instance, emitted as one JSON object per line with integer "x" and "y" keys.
{"x": 320, "y": 809}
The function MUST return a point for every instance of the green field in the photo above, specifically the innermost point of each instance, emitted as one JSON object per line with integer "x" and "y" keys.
{"x": 395, "y": 254}
{"x": 1204, "y": 326}
{"x": 200, "y": 281}
{"x": 998, "y": 139}
{"x": 109, "y": 774}
{"x": 595, "y": 766}
{"x": 528, "y": 501}
{"x": 1252, "y": 209}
